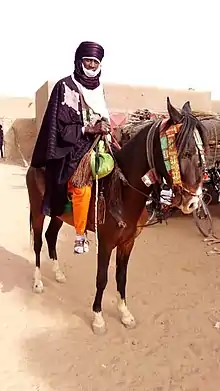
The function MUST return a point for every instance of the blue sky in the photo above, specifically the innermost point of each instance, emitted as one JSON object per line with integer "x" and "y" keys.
{"x": 164, "y": 43}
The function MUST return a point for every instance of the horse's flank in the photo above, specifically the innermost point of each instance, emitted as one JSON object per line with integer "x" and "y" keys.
{"x": 36, "y": 187}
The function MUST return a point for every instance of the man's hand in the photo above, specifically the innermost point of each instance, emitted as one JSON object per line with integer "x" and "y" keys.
{"x": 101, "y": 127}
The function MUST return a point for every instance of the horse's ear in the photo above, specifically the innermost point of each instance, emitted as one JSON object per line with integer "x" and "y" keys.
{"x": 187, "y": 108}
{"x": 174, "y": 114}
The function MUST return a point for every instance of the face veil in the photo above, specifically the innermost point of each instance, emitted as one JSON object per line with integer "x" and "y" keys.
{"x": 87, "y": 49}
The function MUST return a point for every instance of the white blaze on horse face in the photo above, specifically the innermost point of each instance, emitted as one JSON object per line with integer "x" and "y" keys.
{"x": 193, "y": 202}
{"x": 127, "y": 318}
{"x": 38, "y": 286}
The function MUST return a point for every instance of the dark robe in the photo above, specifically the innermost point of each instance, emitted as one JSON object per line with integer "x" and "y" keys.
{"x": 60, "y": 145}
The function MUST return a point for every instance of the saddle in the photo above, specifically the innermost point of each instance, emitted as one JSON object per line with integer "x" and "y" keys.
{"x": 98, "y": 163}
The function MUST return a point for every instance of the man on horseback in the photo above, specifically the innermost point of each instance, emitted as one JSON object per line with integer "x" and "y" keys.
{"x": 76, "y": 113}
{"x": 1, "y": 141}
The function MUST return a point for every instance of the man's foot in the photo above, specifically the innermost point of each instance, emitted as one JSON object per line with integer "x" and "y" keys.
{"x": 81, "y": 245}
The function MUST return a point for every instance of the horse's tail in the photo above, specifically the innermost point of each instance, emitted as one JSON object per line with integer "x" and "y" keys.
{"x": 31, "y": 227}
{"x": 30, "y": 222}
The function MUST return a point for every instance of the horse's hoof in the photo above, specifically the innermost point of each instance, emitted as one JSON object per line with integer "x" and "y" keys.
{"x": 60, "y": 277}
{"x": 128, "y": 322}
{"x": 38, "y": 287}
{"x": 98, "y": 330}
{"x": 98, "y": 324}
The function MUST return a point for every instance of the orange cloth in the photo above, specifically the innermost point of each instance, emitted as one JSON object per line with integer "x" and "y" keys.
{"x": 80, "y": 202}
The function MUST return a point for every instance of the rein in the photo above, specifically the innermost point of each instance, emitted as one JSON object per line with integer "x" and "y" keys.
{"x": 121, "y": 173}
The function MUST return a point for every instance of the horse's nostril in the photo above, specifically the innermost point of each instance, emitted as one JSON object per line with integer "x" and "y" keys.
{"x": 190, "y": 206}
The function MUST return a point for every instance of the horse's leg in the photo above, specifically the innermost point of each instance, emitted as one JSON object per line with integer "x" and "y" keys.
{"x": 98, "y": 324}
{"x": 122, "y": 258}
{"x": 51, "y": 238}
{"x": 37, "y": 226}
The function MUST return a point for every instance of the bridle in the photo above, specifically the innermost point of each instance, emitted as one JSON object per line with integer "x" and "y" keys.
{"x": 150, "y": 158}
{"x": 150, "y": 155}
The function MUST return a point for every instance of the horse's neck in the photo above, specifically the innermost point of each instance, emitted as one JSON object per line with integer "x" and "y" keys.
{"x": 133, "y": 161}
{"x": 133, "y": 158}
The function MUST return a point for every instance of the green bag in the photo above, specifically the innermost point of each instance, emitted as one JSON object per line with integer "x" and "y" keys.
{"x": 68, "y": 207}
{"x": 106, "y": 161}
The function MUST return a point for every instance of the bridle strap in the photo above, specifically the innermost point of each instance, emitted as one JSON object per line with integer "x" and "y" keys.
{"x": 150, "y": 143}
{"x": 150, "y": 155}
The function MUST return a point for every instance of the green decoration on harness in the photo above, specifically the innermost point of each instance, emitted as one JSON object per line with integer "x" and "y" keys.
{"x": 164, "y": 147}
{"x": 106, "y": 161}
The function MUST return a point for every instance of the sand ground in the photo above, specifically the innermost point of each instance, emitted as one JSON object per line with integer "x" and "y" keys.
{"x": 46, "y": 340}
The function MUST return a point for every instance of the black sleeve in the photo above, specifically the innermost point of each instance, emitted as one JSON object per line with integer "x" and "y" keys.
{"x": 60, "y": 129}
{"x": 69, "y": 120}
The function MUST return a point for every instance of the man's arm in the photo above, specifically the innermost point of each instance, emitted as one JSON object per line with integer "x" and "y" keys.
{"x": 69, "y": 120}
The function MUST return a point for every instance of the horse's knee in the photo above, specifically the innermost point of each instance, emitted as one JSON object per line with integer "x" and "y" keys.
{"x": 121, "y": 273}
{"x": 53, "y": 228}
{"x": 102, "y": 280}
{"x": 37, "y": 243}
{"x": 51, "y": 236}
{"x": 37, "y": 223}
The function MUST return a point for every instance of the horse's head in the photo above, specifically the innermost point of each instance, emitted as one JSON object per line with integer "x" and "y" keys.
{"x": 190, "y": 141}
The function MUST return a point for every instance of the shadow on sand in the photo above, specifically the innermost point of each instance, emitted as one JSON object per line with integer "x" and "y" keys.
{"x": 76, "y": 293}
{"x": 60, "y": 355}
{"x": 15, "y": 271}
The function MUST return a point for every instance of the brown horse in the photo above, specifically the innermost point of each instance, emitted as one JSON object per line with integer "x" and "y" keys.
{"x": 140, "y": 154}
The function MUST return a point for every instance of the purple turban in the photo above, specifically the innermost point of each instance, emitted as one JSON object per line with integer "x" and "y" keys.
{"x": 87, "y": 49}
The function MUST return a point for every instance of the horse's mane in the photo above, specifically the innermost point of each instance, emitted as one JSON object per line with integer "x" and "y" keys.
{"x": 131, "y": 132}
{"x": 136, "y": 121}
{"x": 185, "y": 138}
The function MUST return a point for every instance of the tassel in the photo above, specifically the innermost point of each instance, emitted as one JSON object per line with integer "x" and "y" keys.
{"x": 101, "y": 208}
{"x": 83, "y": 174}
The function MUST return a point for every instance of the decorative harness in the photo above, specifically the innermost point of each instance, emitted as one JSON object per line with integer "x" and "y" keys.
{"x": 170, "y": 155}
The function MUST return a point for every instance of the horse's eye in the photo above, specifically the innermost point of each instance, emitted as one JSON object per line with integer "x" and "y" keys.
{"x": 187, "y": 155}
